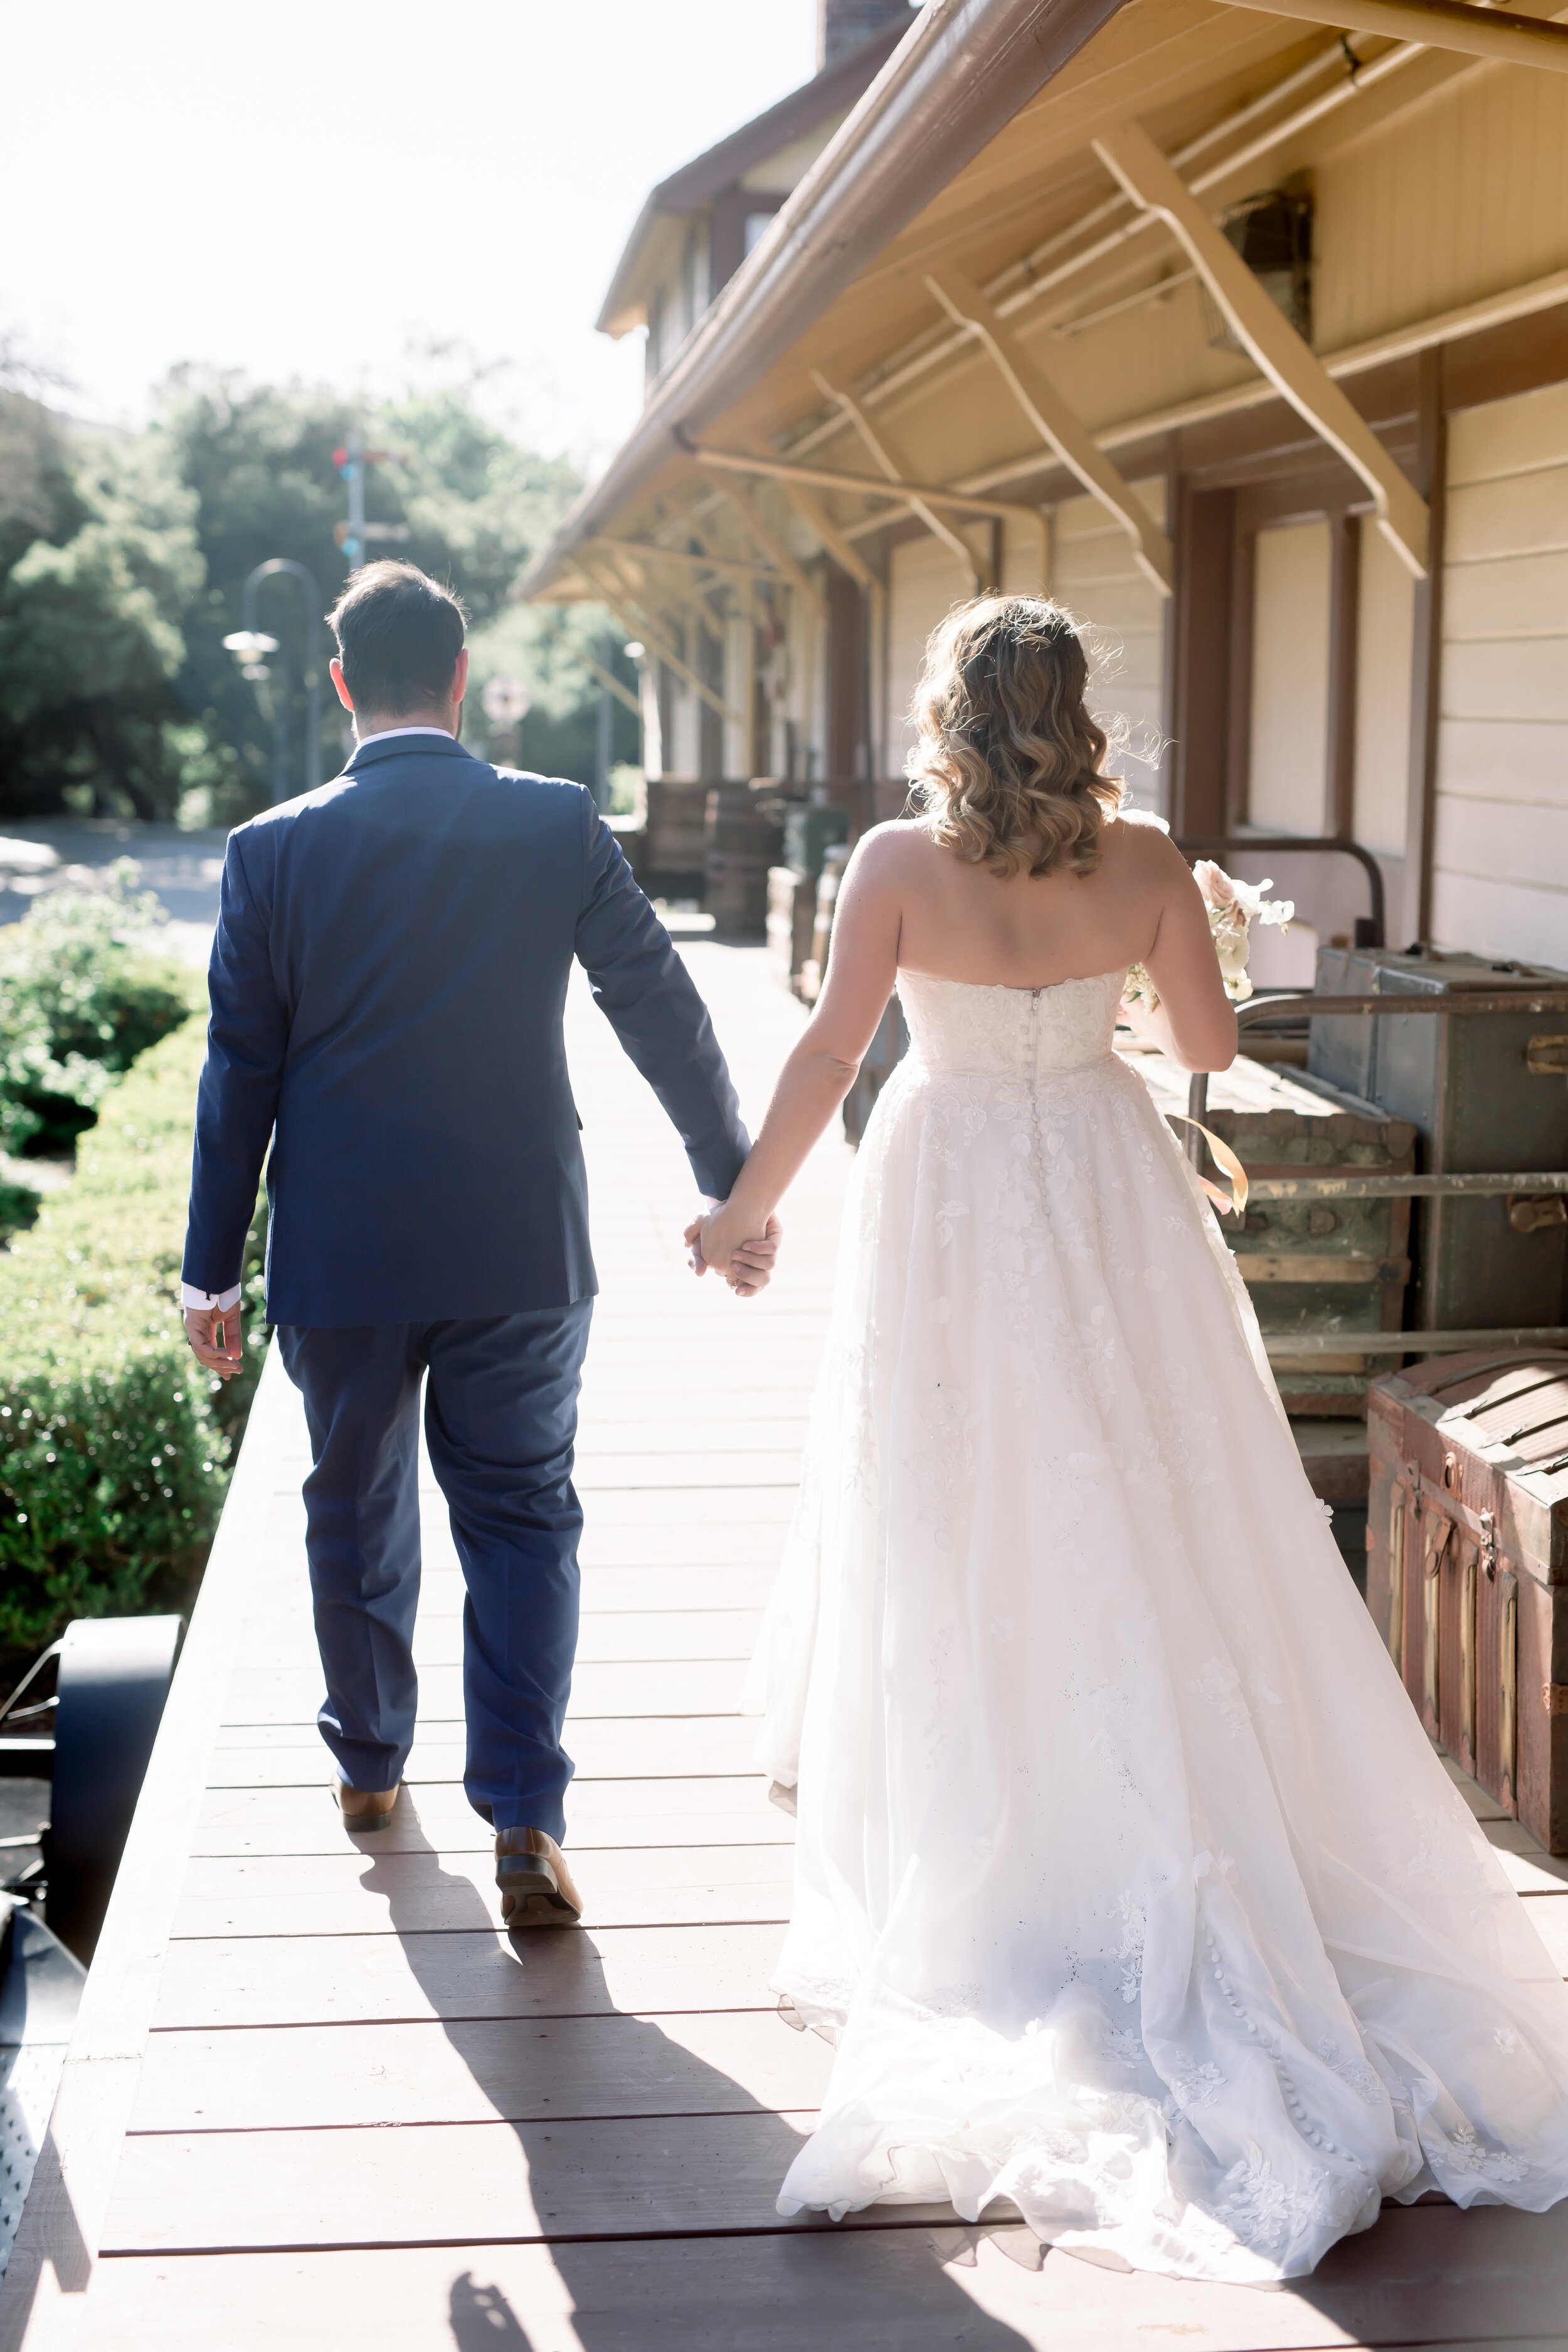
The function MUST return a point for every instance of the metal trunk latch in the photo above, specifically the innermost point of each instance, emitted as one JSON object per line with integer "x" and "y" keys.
{"x": 1488, "y": 1546}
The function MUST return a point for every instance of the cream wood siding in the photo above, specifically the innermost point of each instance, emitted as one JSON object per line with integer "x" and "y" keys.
{"x": 925, "y": 580}
{"x": 1385, "y": 622}
{"x": 1500, "y": 879}
{"x": 683, "y": 752}
{"x": 1094, "y": 575}
{"x": 1026, "y": 559}
{"x": 737, "y": 665}
{"x": 1461, "y": 195}
{"x": 1288, "y": 738}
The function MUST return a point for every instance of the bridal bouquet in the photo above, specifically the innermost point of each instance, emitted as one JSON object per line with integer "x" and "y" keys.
{"x": 1232, "y": 908}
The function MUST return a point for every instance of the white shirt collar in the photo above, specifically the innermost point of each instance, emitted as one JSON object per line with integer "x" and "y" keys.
{"x": 386, "y": 734}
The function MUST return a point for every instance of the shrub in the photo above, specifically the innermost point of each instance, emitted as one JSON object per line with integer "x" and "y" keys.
{"x": 114, "y": 1446}
{"x": 81, "y": 995}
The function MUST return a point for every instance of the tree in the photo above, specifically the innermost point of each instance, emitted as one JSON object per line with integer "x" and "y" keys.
{"x": 98, "y": 563}
{"x": 123, "y": 559}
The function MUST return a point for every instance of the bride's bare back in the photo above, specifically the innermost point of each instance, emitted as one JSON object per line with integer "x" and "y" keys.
{"x": 909, "y": 903}
{"x": 1013, "y": 779}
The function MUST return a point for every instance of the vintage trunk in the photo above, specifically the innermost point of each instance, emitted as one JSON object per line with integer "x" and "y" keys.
{"x": 1468, "y": 1565}
{"x": 1316, "y": 1267}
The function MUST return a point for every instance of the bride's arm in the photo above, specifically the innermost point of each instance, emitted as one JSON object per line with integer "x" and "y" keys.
{"x": 861, "y": 967}
{"x": 1195, "y": 1021}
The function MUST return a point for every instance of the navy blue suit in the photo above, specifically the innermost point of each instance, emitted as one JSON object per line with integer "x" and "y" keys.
{"x": 388, "y": 981}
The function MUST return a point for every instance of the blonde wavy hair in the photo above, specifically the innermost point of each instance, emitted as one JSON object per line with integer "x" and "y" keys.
{"x": 1007, "y": 764}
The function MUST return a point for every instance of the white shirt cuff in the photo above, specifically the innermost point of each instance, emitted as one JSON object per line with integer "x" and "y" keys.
{"x": 220, "y": 1299}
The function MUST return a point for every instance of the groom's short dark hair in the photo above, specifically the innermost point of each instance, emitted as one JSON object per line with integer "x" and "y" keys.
{"x": 399, "y": 633}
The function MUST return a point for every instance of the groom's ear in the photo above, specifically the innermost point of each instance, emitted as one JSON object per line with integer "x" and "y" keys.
{"x": 335, "y": 668}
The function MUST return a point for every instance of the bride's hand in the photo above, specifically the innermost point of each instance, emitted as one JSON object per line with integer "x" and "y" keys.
{"x": 718, "y": 1239}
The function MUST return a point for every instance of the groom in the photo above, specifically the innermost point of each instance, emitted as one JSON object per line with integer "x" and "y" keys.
{"x": 388, "y": 981}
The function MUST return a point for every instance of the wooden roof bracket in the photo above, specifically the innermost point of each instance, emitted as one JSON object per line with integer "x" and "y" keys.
{"x": 883, "y": 456}
{"x": 1261, "y": 327}
{"x": 611, "y": 684}
{"x": 1514, "y": 38}
{"x": 1058, "y": 426}
{"x": 633, "y": 614}
{"x": 767, "y": 539}
{"x": 843, "y": 552}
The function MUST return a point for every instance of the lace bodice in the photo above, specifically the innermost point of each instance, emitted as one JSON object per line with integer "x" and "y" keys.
{"x": 960, "y": 1024}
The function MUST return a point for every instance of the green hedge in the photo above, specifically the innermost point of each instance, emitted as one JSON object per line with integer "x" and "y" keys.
{"x": 83, "y": 993}
{"x": 114, "y": 1446}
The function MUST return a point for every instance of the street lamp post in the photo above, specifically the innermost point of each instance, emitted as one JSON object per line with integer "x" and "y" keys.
{"x": 249, "y": 645}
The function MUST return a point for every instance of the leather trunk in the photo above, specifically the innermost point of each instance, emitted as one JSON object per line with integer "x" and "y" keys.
{"x": 1468, "y": 1565}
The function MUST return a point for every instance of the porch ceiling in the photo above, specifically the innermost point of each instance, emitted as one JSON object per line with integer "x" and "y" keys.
{"x": 1184, "y": 69}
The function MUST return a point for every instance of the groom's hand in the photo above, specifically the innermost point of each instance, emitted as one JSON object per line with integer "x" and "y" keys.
{"x": 202, "y": 1326}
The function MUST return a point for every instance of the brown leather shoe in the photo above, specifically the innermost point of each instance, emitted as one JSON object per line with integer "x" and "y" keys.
{"x": 364, "y": 1809}
{"x": 537, "y": 1890}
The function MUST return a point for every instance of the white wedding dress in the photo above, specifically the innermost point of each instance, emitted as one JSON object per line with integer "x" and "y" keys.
{"x": 1126, "y": 1881}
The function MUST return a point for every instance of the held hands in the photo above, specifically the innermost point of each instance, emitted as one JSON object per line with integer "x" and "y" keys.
{"x": 215, "y": 1339}
{"x": 717, "y": 1239}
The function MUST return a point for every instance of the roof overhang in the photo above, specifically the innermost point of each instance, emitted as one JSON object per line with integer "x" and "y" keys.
{"x": 697, "y": 184}
{"x": 955, "y": 79}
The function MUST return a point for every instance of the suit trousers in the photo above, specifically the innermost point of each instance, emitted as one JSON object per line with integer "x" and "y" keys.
{"x": 501, "y": 1421}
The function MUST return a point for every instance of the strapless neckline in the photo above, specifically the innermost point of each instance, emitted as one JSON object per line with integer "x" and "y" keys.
{"x": 1003, "y": 988}
{"x": 1013, "y": 1033}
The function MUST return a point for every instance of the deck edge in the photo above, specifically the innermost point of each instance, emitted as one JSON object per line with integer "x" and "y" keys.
{"x": 43, "y": 2298}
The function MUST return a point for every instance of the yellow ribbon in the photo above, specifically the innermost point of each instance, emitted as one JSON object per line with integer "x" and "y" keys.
{"x": 1234, "y": 1203}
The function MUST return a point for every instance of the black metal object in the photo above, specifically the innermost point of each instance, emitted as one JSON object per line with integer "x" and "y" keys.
{"x": 1370, "y": 929}
{"x": 40, "y": 1992}
{"x": 114, "y": 1677}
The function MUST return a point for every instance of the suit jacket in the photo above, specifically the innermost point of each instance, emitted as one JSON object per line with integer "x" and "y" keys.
{"x": 388, "y": 981}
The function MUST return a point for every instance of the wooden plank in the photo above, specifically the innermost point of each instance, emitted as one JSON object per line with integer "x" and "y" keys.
{"x": 288, "y": 1640}
{"x": 705, "y": 1686}
{"x": 667, "y": 2175}
{"x": 474, "y": 2071}
{"x": 464, "y": 1974}
{"x": 1528, "y": 1865}
{"x": 1525, "y": 514}
{"x": 725, "y": 1811}
{"x": 1426, "y": 2276}
{"x": 1438, "y": 23}
{"x": 1548, "y": 1915}
{"x": 684, "y": 1747}
{"x": 356, "y": 1893}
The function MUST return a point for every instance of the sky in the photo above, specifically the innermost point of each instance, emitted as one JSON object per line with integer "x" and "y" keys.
{"x": 342, "y": 190}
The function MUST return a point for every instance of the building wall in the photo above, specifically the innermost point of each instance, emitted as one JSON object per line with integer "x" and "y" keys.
{"x": 925, "y": 580}
{"x": 1385, "y": 622}
{"x": 1288, "y": 746}
{"x": 1501, "y": 853}
{"x": 1466, "y": 193}
{"x": 1093, "y": 573}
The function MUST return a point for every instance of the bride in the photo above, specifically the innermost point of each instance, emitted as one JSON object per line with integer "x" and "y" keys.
{"x": 1127, "y": 1882}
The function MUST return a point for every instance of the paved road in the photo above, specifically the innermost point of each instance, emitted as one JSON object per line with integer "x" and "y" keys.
{"x": 182, "y": 869}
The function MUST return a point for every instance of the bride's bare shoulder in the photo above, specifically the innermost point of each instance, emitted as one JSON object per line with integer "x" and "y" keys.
{"x": 895, "y": 849}
{"x": 1140, "y": 842}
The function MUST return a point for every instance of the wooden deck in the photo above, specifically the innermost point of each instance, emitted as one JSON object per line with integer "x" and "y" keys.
{"x": 317, "y": 2100}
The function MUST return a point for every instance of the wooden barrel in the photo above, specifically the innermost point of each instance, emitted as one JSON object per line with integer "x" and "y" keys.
{"x": 739, "y": 846}
{"x": 674, "y": 850}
